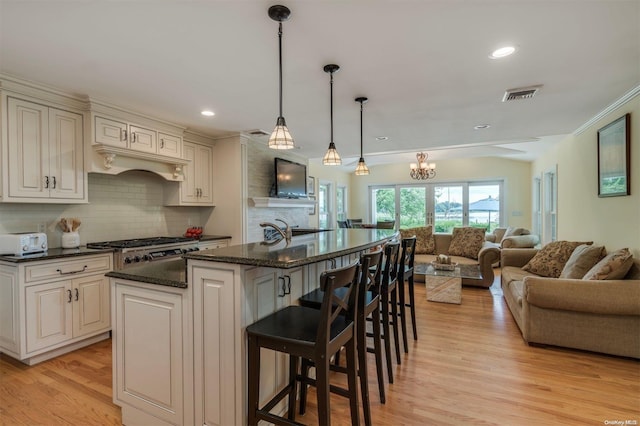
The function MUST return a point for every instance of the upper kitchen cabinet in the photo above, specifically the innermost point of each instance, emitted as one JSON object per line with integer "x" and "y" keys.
{"x": 197, "y": 187}
{"x": 124, "y": 140}
{"x": 42, "y": 146}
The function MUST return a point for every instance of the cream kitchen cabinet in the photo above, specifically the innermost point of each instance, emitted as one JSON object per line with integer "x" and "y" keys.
{"x": 122, "y": 134}
{"x": 43, "y": 157}
{"x": 213, "y": 244}
{"x": 54, "y": 306}
{"x": 197, "y": 187}
{"x": 152, "y": 346}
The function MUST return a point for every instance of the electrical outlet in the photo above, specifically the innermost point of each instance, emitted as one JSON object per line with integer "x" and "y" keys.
{"x": 42, "y": 227}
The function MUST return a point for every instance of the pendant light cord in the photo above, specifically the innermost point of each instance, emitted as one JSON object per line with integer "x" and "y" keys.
{"x": 361, "y": 108}
{"x": 280, "y": 62}
{"x": 331, "y": 101}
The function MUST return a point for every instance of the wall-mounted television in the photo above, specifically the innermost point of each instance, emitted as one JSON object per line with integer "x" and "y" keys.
{"x": 291, "y": 179}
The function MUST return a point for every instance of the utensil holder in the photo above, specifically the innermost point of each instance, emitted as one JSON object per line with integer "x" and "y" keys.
{"x": 70, "y": 240}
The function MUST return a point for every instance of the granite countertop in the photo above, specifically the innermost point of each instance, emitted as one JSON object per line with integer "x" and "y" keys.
{"x": 302, "y": 250}
{"x": 54, "y": 253}
{"x": 172, "y": 273}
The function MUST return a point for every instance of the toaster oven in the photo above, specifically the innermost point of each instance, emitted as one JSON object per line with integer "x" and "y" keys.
{"x": 23, "y": 243}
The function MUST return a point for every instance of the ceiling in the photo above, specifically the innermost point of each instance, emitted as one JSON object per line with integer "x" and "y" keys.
{"x": 423, "y": 65}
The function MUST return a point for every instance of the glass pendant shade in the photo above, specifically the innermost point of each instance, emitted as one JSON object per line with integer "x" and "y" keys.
{"x": 362, "y": 168}
{"x": 280, "y": 137}
{"x": 332, "y": 158}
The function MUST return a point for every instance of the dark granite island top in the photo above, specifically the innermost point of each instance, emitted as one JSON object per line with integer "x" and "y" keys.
{"x": 172, "y": 273}
{"x": 302, "y": 250}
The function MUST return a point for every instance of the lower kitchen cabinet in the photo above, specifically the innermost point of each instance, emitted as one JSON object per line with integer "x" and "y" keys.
{"x": 53, "y": 307}
{"x": 152, "y": 353}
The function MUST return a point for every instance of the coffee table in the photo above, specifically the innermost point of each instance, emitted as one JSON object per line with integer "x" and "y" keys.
{"x": 445, "y": 286}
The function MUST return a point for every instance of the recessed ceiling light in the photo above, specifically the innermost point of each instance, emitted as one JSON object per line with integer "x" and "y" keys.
{"x": 482, "y": 126}
{"x": 382, "y": 138}
{"x": 208, "y": 113}
{"x": 502, "y": 52}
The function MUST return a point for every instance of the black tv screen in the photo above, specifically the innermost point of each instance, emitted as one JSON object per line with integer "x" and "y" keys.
{"x": 291, "y": 179}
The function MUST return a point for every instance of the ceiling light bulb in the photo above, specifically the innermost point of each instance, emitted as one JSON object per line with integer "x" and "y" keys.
{"x": 502, "y": 52}
{"x": 208, "y": 113}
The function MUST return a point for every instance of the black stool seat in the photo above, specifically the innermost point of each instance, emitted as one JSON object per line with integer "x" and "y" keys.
{"x": 298, "y": 324}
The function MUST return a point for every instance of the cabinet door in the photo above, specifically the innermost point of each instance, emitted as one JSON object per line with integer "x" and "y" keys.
{"x": 169, "y": 145}
{"x": 49, "y": 314}
{"x": 143, "y": 140}
{"x": 215, "y": 355}
{"x": 111, "y": 132}
{"x": 91, "y": 305}
{"x": 204, "y": 173}
{"x": 28, "y": 149}
{"x": 66, "y": 159}
{"x": 188, "y": 193}
{"x": 149, "y": 351}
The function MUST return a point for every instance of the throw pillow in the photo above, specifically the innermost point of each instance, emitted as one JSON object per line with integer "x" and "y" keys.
{"x": 466, "y": 242}
{"x": 550, "y": 259}
{"x": 582, "y": 259}
{"x": 511, "y": 232}
{"x": 613, "y": 267}
{"x": 425, "y": 242}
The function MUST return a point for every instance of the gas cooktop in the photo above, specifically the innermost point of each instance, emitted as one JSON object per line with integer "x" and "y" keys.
{"x": 139, "y": 242}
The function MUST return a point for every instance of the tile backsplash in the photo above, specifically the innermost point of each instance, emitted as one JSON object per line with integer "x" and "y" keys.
{"x": 129, "y": 205}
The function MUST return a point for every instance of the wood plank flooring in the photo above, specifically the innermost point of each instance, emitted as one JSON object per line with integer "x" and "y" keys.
{"x": 469, "y": 366}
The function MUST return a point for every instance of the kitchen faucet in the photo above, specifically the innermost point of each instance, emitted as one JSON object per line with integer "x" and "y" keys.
{"x": 286, "y": 233}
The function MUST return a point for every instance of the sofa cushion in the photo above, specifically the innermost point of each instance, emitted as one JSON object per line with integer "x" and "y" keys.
{"x": 466, "y": 242}
{"x": 582, "y": 259}
{"x": 425, "y": 242}
{"x": 614, "y": 266}
{"x": 550, "y": 259}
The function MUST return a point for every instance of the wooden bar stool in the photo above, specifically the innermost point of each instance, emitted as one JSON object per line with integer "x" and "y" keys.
{"x": 368, "y": 305}
{"x": 405, "y": 274}
{"x": 309, "y": 334}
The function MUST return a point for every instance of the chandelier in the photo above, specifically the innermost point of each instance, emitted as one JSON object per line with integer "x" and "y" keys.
{"x": 331, "y": 158}
{"x": 421, "y": 170}
{"x": 361, "y": 169}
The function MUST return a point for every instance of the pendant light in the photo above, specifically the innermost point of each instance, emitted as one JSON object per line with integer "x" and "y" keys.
{"x": 280, "y": 138}
{"x": 331, "y": 158}
{"x": 362, "y": 168}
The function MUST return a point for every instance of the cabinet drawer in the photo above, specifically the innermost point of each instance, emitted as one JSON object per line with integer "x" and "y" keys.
{"x": 67, "y": 268}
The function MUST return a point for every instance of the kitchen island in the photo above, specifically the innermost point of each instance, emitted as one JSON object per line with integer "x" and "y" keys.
{"x": 180, "y": 352}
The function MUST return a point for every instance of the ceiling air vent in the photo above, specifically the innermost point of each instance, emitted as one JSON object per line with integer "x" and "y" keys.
{"x": 520, "y": 93}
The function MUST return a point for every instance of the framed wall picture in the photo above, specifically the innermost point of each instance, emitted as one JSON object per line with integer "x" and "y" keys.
{"x": 614, "y": 159}
{"x": 311, "y": 185}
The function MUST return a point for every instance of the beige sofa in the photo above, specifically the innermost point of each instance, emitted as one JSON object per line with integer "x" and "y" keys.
{"x": 487, "y": 255}
{"x": 599, "y": 315}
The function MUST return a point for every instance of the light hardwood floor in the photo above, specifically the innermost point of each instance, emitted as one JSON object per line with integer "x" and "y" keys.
{"x": 470, "y": 366}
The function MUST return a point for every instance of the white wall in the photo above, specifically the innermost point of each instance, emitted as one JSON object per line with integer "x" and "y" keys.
{"x": 515, "y": 174}
{"x": 582, "y": 215}
{"x": 128, "y": 205}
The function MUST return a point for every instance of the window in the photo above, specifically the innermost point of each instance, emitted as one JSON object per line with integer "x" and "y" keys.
{"x": 550, "y": 207}
{"x": 341, "y": 203}
{"x": 325, "y": 206}
{"x": 537, "y": 206}
{"x": 444, "y": 206}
